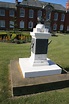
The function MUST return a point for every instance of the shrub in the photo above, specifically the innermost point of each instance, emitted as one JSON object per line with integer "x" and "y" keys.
{"x": 13, "y": 36}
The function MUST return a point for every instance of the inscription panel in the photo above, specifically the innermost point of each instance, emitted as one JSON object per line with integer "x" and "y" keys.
{"x": 41, "y": 46}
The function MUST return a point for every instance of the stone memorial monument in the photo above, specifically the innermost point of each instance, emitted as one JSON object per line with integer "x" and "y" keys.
{"x": 39, "y": 45}
{"x": 38, "y": 64}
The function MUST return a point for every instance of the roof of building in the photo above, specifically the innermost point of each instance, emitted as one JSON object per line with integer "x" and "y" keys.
{"x": 37, "y": 3}
{"x": 7, "y": 5}
{"x": 33, "y": 3}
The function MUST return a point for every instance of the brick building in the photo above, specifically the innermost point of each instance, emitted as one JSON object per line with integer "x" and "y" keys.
{"x": 24, "y": 14}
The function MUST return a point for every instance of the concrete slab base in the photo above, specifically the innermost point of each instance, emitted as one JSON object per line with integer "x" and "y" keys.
{"x": 36, "y": 71}
{"x": 25, "y": 86}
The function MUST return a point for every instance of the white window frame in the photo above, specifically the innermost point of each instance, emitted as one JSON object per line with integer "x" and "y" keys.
{"x": 62, "y": 17}
{"x": 55, "y": 16}
{"x": 11, "y": 13}
{"x": 21, "y": 24}
{"x": 2, "y": 12}
{"x": 11, "y": 24}
{"x": 22, "y": 12}
{"x": 30, "y": 25}
{"x": 31, "y": 13}
{"x": 61, "y": 27}
{"x": 48, "y": 15}
{"x": 2, "y": 23}
{"x": 55, "y": 26}
{"x": 39, "y": 13}
{"x": 68, "y": 28}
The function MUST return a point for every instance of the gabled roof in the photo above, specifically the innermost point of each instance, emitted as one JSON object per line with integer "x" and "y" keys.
{"x": 58, "y": 7}
{"x": 33, "y": 3}
{"x": 37, "y": 3}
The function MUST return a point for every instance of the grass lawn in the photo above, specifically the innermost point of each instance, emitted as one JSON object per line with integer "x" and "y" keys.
{"x": 58, "y": 52}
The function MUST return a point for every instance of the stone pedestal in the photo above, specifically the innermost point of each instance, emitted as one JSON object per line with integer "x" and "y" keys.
{"x": 39, "y": 45}
{"x": 38, "y": 64}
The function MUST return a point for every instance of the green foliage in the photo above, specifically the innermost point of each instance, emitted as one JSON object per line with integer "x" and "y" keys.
{"x": 58, "y": 52}
{"x": 3, "y": 32}
{"x": 13, "y": 36}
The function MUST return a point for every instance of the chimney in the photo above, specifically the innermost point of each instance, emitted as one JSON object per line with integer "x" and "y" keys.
{"x": 67, "y": 6}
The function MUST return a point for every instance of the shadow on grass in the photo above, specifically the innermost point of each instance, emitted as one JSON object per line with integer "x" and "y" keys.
{"x": 26, "y": 90}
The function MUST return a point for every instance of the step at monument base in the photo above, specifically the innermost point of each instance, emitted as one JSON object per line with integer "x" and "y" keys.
{"x": 36, "y": 71}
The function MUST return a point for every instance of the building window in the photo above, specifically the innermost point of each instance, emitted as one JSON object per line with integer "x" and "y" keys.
{"x": 48, "y": 15}
{"x": 62, "y": 17}
{"x": 22, "y": 12}
{"x": 61, "y": 27}
{"x": 56, "y": 16}
{"x": 11, "y": 24}
{"x": 30, "y": 25}
{"x": 67, "y": 28}
{"x": 31, "y": 13}
{"x": 39, "y": 14}
{"x": 2, "y": 23}
{"x": 11, "y": 13}
{"x": 55, "y": 26}
{"x": 21, "y": 24}
{"x": 2, "y": 12}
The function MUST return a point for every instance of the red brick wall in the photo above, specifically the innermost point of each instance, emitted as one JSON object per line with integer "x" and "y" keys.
{"x": 66, "y": 20}
{"x": 26, "y": 19}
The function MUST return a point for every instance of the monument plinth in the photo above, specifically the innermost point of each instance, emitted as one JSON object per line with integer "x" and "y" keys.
{"x": 38, "y": 64}
{"x": 39, "y": 45}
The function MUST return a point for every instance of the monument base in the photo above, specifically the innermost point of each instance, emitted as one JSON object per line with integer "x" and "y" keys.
{"x": 35, "y": 71}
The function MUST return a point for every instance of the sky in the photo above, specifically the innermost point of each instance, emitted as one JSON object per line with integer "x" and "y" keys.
{"x": 63, "y": 2}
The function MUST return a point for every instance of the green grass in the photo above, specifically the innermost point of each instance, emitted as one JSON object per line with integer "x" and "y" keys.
{"x": 58, "y": 51}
